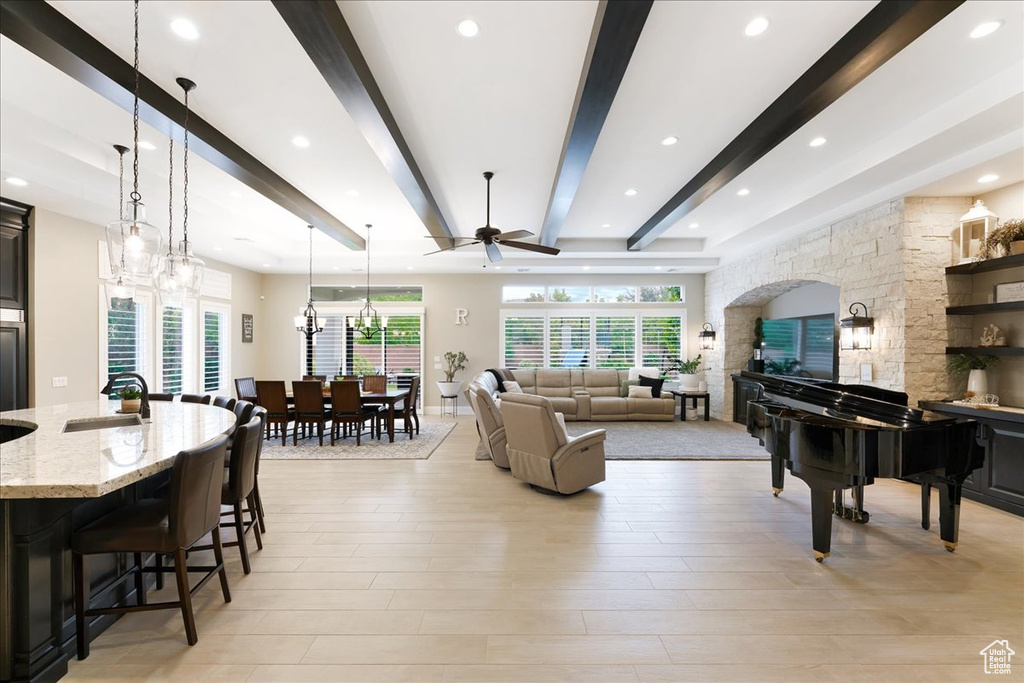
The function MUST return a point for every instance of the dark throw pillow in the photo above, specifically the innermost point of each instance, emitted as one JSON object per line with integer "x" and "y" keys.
{"x": 654, "y": 384}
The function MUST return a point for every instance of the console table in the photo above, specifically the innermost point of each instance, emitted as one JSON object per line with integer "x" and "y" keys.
{"x": 694, "y": 395}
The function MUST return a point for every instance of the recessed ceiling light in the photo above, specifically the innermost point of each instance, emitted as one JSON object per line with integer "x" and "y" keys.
{"x": 631, "y": 192}
{"x": 606, "y": 225}
{"x": 336, "y": 268}
{"x": 586, "y": 267}
{"x": 17, "y": 182}
{"x": 183, "y": 28}
{"x": 497, "y": 267}
{"x": 468, "y": 28}
{"x": 988, "y": 178}
{"x": 756, "y": 27}
{"x": 352, "y": 193}
{"x": 145, "y": 144}
{"x": 694, "y": 226}
{"x": 657, "y": 267}
{"x": 266, "y": 265}
{"x": 218, "y": 249}
{"x": 409, "y": 268}
{"x": 670, "y": 140}
{"x": 300, "y": 141}
{"x": 235, "y": 193}
{"x": 818, "y": 142}
{"x": 744, "y": 192}
{"x": 986, "y": 29}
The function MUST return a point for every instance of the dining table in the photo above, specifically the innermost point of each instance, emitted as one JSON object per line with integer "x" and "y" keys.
{"x": 389, "y": 397}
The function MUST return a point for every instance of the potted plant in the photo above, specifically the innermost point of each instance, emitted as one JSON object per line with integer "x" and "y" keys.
{"x": 688, "y": 373}
{"x": 756, "y": 364}
{"x": 1005, "y": 240}
{"x": 455, "y": 361}
{"x": 131, "y": 398}
{"x": 975, "y": 368}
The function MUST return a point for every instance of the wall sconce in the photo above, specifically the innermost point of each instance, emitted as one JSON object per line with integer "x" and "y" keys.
{"x": 974, "y": 228}
{"x": 855, "y": 331}
{"x": 707, "y": 337}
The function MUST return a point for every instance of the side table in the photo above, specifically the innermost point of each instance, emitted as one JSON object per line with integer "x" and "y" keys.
{"x": 694, "y": 396}
{"x": 454, "y": 411}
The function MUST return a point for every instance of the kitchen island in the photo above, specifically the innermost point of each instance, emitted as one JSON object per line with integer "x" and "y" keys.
{"x": 62, "y": 467}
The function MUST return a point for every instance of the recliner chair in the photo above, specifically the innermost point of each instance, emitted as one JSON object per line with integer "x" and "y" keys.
{"x": 541, "y": 453}
{"x": 489, "y": 423}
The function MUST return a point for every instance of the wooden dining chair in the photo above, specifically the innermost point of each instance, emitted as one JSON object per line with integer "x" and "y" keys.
{"x": 375, "y": 384}
{"x": 195, "y": 398}
{"x": 314, "y": 378}
{"x": 309, "y": 409}
{"x": 347, "y": 409}
{"x": 245, "y": 388}
{"x": 407, "y": 407}
{"x": 272, "y": 395}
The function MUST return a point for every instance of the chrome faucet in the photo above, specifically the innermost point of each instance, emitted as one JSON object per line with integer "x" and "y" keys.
{"x": 144, "y": 408}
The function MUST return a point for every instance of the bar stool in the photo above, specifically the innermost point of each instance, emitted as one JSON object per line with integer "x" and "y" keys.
{"x": 225, "y": 402}
{"x": 161, "y": 397}
{"x": 164, "y": 526}
{"x": 195, "y": 398}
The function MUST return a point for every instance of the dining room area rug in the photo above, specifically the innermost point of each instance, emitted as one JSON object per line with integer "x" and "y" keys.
{"x": 420, "y": 447}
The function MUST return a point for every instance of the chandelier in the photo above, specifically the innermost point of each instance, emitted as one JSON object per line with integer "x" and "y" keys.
{"x": 308, "y": 323}
{"x": 368, "y": 322}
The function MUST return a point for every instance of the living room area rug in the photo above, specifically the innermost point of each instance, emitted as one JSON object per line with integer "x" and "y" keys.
{"x": 690, "y": 440}
{"x": 418, "y": 448}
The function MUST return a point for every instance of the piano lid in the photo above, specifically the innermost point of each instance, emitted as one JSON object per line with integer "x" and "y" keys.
{"x": 858, "y": 404}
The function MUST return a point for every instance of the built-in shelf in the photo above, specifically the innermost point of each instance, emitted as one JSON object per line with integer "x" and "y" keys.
{"x": 987, "y": 350}
{"x": 986, "y": 308}
{"x": 987, "y": 265}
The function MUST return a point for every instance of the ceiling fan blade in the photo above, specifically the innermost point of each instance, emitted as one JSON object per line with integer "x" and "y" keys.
{"x": 448, "y": 239}
{"x": 454, "y": 246}
{"x": 493, "y": 253}
{"x": 540, "y": 248}
{"x": 514, "y": 235}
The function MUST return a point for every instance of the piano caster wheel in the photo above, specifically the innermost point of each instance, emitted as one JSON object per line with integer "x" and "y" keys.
{"x": 819, "y": 557}
{"x": 950, "y": 547}
{"x": 776, "y": 492}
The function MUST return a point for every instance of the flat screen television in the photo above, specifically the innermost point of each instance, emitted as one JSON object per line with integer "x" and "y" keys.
{"x": 802, "y": 347}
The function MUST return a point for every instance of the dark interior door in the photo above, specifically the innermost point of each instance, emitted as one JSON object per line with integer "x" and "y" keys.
{"x": 13, "y": 305}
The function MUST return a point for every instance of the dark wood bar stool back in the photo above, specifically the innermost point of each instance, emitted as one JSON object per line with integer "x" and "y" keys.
{"x": 225, "y": 402}
{"x": 245, "y": 388}
{"x": 375, "y": 384}
{"x": 347, "y": 409}
{"x": 407, "y": 408}
{"x": 241, "y": 483}
{"x": 164, "y": 526}
{"x": 195, "y": 398}
{"x": 309, "y": 409}
{"x": 161, "y": 397}
{"x": 272, "y": 396}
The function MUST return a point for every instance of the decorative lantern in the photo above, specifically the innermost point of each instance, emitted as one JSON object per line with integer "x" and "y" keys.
{"x": 707, "y": 337}
{"x": 975, "y": 226}
{"x": 855, "y": 331}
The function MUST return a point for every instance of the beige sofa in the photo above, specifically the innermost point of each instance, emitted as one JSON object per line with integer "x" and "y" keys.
{"x": 584, "y": 394}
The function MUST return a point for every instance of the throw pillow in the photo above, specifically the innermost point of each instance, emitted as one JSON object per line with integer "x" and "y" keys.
{"x": 640, "y": 392}
{"x": 626, "y": 384}
{"x": 512, "y": 387}
{"x": 654, "y": 384}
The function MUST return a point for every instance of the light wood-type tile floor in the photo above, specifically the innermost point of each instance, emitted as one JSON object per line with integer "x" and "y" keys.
{"x": 450, "y": 570}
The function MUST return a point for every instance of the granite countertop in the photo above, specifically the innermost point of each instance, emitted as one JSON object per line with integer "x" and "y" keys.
{"x": 88, "y": 464}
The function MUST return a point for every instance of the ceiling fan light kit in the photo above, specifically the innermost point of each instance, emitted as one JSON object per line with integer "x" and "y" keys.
{"x": 491, "y": 237}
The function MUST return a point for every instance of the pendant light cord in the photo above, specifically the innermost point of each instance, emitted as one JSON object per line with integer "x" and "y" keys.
{"x": 185, "y": 180}
{"x": 135, "y": 161}
{"x": 170, "y": 199}
{"x": 368, "y": 226}
{"x": 121, "y": 151}
{"x": 310, "y": 301}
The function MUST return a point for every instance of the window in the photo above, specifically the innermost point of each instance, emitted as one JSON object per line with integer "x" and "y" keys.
{"x": 328, "y": 347}
{"x": 214, "y": 345}
{"x": 521, "y": 295}
{"x": 377, "y": 293}
{"x": 339, "y": 350}
{"x": 660, "y": 339}
{"x": 569, "y": 294}
{"x": 592, "y": 339}
{"x": 661, "y": 294}
{"x": 582, "y": 294}
{"x": 402, "y": 345}
{"x": 126, "y": 341}
{"x": 524, "y": 342}
{"x": 801, "y": 346}
{"x": 616, "y": 295}
{"x": 175, "y": 370}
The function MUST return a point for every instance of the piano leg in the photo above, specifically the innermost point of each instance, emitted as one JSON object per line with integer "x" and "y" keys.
{"x": 822, "y": 501}
{"x": 926, "y": 505}
{"x": 949, "y": 513}
{"x": 778, "y": 475}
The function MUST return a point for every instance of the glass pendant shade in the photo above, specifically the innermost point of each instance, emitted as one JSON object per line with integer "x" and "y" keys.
{"x": 167, "y": 281}
{"x": 119, "y": 292}
{"x": 191, "y": 271}
{"x": 134, "y": 245}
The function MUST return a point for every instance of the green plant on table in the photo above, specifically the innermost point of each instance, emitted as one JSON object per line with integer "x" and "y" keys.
{"x": 454, "y": 362}
{"x": 687, "y": 367}
{"x": 963, "y": 363}
{"x": 132, "y": 392}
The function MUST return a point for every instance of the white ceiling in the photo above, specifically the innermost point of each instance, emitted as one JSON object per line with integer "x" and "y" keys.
{"x": 940, "y": 114}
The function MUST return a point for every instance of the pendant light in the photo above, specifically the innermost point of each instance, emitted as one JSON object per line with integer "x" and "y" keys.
{"x": 119, "y": 290}
{"x": 168, "y": 287}
{"x": 308, "y": 323}
{"x": 192, "y": 269}
{"x": 368, "y": 322}
{"x": 131, "y": 241}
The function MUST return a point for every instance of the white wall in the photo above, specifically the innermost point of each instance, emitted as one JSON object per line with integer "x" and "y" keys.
{"x": 64, "y": 309}
{"x": 285, "y": 296}
{"x": 1006, "y": 202}
{"x": 819, "y": 298}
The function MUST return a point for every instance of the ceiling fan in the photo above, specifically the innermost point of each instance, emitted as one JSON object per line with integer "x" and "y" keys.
{"x": 492, "y": 237}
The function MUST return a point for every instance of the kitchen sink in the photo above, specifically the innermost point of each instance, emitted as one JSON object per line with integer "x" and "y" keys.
{"x": 106, "y": 422}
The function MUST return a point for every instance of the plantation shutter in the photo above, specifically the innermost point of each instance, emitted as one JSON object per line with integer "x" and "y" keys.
{"x": 569, "y": 341}
{"x": 615, "y": 339}
{"x": 819, "y": 349}
{"x": 126, "y": 342}
{"x": 329, "y": 347}
{"x": 172, "y": 350}
{"x": 660, "y": 341}
{"x": 214, "y": 350}
{"x": 523, "y": 342}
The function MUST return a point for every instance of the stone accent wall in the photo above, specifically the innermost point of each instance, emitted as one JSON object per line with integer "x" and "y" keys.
{"x": 890, "y": 257}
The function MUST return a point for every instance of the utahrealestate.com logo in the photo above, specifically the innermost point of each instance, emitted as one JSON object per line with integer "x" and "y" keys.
{"x": 997, "y": 657}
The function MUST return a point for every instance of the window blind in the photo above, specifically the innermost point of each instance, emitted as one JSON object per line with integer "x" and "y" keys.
{"x": 126, "y": 343}
{"x": 660, "y": 337}
{"x": 615, "y": 342}
{"x": 329, "y": 347}
{"x": 819, "y": 346}
{"x": 172, "y": 350}
{"x": 569, "y": 341}
{"x": 213, "y": 350}
{"x": 402, "y": 345}
{"x": 523, "y": 342}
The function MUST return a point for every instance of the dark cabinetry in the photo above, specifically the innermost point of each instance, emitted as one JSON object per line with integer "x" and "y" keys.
{"x": 13, "y": 305}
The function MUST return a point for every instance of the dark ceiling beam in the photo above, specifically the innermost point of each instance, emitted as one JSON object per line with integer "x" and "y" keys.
{"x": 888, "y": 28}
{"x": 617, "y": 29}
{"x": 54, "y": 38}
{"x": 321, "y": 29}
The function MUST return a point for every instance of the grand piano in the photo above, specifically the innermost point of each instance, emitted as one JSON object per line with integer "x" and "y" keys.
{"x": 837, "y": 437}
